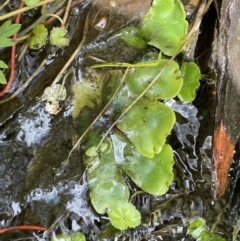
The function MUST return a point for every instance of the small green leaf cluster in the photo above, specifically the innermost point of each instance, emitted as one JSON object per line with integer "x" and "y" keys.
{"x": 39, "y": 37}
{"x": 2, "y": 76}
{"x": 199, "y": 230}
{"x": 6, "y": 31}
{"x": 40, "y": 34}
{"x": 124, "y": 215}
{"x": 58, "y": 38}
{"x": 138, "y": 146}
{"x": 77, "y": 236}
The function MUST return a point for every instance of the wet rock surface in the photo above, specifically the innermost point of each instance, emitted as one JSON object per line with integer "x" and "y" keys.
{"x": 38, "y": 186}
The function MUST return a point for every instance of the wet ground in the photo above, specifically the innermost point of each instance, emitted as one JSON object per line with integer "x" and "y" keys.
{"x": 38, "y": 186}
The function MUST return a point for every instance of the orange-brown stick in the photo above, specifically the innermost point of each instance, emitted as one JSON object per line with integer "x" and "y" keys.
{"x": 223, "y": 150}
{"x": 22, "y": 227}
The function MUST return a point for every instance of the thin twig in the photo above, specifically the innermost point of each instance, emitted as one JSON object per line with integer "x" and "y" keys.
{"x": 23, "y": 9}
{"x": 65, "y": 17}
{"x": 22, "y": 51}
{"x": 55, "y": 16}
{"x": 135, "y": 194}
{"x": 4, "y": 4}
{"x": 22, "y": 227}
{"x": 54, "y": 7}
{"x": 75, "y": 53}
{"x": 61, "y": 11}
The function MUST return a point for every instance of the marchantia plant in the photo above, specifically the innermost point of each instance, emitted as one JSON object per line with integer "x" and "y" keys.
{"x": 137, "y": 144}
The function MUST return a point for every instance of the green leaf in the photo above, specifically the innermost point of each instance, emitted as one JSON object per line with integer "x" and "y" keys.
{"x": 31, "y": 3}
{"x": 191, "y": 75}
{"x": 61, "y": 237}
{"x": 3, "y": 80}
{"x": 106, "y": 183}
{"x": 147, "y": 125}
{"x": 198, "y": 229}
{"x": 151, "y": 175}
{"x": 167, "y": 86}
{"x": 124, "y": 215}
{"x": 78, "y": 237}
{"x": 57, "y": 37}
{"x": 3, "y": 65}
{"x": 6, "y": 31}
{"x": 165, "y": 25}
{"x": 39, "y": 37}
{"x": 131, "y": 36}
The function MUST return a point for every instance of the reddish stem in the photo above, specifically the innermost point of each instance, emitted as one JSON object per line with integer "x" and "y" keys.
{"x": 13, "y": 53}
{"x": 23, "y": 227}
{"x": 60, "y": 12}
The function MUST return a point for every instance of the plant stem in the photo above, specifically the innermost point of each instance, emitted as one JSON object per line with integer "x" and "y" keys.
{"x": 67, "y": 12}
{"x": 13, "y": 53}
{"x": 55, "y": 16}
{"x": 54, "y": 7}
{"x": 75, "y": 53}
{"x": 4, "y": 4}
{"x": 22, "y": 227}
{"x": 23, "y": 9}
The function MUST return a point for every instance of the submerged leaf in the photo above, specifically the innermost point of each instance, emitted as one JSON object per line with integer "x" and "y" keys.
{"x": 131, "y": 36}
{"x": 106, "y": 182}
{"x": 167, "y": 86}
{"x": 191, "y": 75}
{"x": 147, "y": 125}
{"x": 86, "y": 93}
{"x": 165, "y": 25}
{"x": 108, "y": 232}
{"x": 124, "y": 215}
